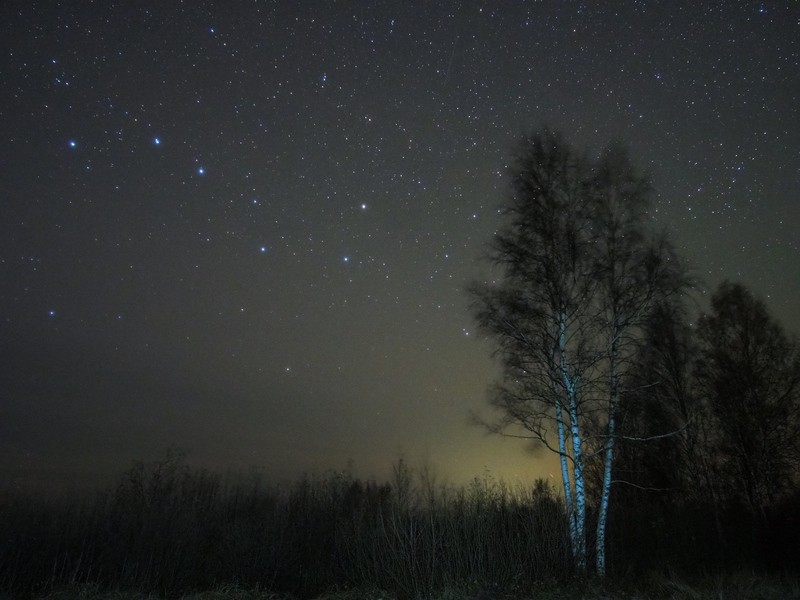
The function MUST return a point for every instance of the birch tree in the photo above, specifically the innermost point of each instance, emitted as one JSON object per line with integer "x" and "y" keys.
{"x": 577, "y": 275}
{"x": 635, "y": 272}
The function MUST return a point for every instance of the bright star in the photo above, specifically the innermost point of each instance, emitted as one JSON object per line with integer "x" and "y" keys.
{"x": 156, "y": 141}
{"x": 73, "y": 144}
{"x": 201, "y": 171}
{"x": 263, "y": 249}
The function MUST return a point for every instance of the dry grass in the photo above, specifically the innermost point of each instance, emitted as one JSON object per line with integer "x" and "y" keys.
{"x": 740, "y": 586}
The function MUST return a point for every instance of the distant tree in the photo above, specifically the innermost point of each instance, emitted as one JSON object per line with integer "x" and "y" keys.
{"x": 579, "y": 276}
{"x": 678, "y": 464}
{"x": 748, "y": 374}
{"x": 659, "y": 405}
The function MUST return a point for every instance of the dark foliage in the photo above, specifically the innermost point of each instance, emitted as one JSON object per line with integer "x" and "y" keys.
{"x": 716, "y": 482}
{"x": 168, "y": 530}
{"x": 171, "y": 531}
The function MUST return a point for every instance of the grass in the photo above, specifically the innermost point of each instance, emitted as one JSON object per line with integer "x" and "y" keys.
{"x": 739, "y": 586}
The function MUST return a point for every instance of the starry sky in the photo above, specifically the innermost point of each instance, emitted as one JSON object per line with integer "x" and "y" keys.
{"x": 244, "y": 228}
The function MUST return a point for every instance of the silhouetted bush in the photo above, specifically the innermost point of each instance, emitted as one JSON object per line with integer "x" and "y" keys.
{"x": 169, "y": 530}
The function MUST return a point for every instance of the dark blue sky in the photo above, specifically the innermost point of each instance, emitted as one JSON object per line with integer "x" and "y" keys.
{"x": 244, "y": 228}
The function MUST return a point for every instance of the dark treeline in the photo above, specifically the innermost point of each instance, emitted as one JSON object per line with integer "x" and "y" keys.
{"x": 710, "y": 450}
{"x": 171, "y": 530}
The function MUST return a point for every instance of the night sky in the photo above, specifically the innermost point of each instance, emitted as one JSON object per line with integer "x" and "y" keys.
{"x": 244, "y": 229}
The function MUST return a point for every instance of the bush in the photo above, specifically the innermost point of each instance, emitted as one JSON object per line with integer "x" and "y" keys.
{"x": 167, "y": 530}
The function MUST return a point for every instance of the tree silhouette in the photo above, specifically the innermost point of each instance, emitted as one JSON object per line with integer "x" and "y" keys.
{"x": 748, "y": 373}
{"x": 579, "y": 276}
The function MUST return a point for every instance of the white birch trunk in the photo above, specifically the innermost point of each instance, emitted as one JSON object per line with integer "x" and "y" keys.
{"x": 577, "y": 508}
{"x": 580, "y": 488}
{"x": 565, "y": 478}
